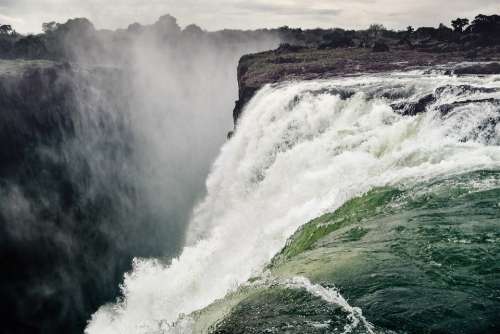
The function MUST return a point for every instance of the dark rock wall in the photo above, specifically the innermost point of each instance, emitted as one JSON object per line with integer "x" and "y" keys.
{"x": 291, "y": 63}
{"x": 71, "y": 214}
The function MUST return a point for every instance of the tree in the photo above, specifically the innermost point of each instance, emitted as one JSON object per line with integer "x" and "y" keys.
{"x": 49, "y": 27}
{"x": 410, "y": 30}
{"x": 193, "y": 30}
{"x": 459, "y": 24}
{"x": 444, "y": 33}
{"x": 31, "y": 47}
{"x": 337, "y": 38}
{"x": 486, "y": 25}
{"x": 375, "y": 30}
{"x": 167, "y": 24}
{"x": 135, "y": 28}
{"x": 6, "y": 29}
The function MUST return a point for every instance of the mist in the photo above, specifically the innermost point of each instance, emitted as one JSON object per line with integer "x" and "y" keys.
{"x": 184, "y": 89}
{"x": 106, "y": 149}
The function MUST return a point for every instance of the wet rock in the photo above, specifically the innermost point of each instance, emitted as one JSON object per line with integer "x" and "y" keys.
{"x": 464, "y": 89}
{"x": 291, "y": 62}
{"x": 34, "y": 109}
{"x": 60, "y": 261}
{"x": 246, "y": 93}
{"x": 414, "y": 108}
{"x": 447, "y": 108}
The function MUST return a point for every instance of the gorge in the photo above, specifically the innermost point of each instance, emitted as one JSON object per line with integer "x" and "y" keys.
{"x": 358, "y": 191}
{"x": 406, "y": 240}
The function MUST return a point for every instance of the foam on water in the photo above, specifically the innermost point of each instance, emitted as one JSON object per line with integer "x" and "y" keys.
{"x": 332, "y": 296}
{"x": 301, "y": 150}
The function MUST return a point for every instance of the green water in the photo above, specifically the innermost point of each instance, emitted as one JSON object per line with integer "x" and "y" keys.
{"x": 281, "y": 310}
{"x": 423, "y": 259}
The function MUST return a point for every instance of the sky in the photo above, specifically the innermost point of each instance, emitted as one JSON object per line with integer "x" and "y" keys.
{"x": 28, "y": 15}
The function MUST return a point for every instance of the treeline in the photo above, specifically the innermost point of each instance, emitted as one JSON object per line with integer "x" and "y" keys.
{"x": 78, "y": 39}
{"x": 483, "y": 31}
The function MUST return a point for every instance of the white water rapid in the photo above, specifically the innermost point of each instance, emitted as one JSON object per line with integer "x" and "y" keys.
{"x": 302, "y": 149}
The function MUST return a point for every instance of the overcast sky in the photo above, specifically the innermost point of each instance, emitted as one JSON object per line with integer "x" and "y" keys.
{"x": 28, "y": 15}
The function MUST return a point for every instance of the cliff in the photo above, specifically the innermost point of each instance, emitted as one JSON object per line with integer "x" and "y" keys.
{"x": 288, "y": 63}
{"x": 64, "y": 242}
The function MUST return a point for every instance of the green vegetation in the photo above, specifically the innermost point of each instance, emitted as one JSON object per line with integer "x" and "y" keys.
{"x": 459, "y": 24}
{"x": 77, "y": 38}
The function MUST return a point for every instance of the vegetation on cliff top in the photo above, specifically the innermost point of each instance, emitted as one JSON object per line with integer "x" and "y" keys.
{"x": 78, "y": 37}
{"x": 317, "y": 54}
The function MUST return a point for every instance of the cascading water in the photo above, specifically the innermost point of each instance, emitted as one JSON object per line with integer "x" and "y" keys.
{"x": 103, "y": 158}
{"x": 303, "y": 149}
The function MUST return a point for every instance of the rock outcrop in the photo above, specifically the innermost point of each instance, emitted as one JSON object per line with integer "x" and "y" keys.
{"x": 64, "y": 199}
{"x": 298, "y": 63}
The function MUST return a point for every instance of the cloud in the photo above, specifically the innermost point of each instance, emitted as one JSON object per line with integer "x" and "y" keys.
{"x": 244, "y": 14}
{"x": 286, "y": 10}
{"x": 4, "y": 3}
{"x": 11, "y": 19}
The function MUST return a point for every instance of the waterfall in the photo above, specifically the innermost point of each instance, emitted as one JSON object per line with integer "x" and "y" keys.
{"x": 302, "y": 149}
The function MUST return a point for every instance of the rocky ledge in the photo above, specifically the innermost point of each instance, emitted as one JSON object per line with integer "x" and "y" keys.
{"x": 301, "y": 63}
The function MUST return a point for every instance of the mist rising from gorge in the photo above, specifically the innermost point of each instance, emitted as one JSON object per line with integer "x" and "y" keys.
{"x": 106, "y": 151}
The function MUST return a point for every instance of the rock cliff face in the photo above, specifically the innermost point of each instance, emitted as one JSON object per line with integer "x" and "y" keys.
{"x": 64, "y": 194}
{"x": 288, "y": 63}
